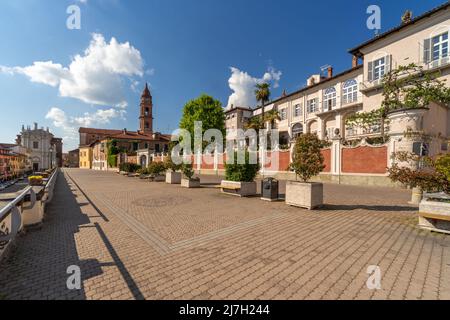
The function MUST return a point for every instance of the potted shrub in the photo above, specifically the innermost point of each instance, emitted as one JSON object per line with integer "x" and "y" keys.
{"x": 156, "y": 170}
{"x": 35, "y": 180}
{"x": 188, "y": 181}
{"x": 240, "y": 178}
{"x": 307, "y": 162}
{"x": 172, "y": 174}
{"x": 433, "y": 177}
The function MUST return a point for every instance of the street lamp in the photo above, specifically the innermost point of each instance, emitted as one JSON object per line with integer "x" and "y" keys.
{"x": 51, "y": 157}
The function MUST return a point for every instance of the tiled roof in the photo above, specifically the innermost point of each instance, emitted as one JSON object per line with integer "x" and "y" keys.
{"x": 427, "y": 14}
{"x": 99, "y": 131}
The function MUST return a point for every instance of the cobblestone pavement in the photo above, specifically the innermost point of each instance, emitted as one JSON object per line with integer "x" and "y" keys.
{"x": 134, "y": 239}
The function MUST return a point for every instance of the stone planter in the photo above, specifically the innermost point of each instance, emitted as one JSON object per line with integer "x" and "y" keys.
{"x": 159, "y": 178}
{"x": 416, "y": 196}
{"x": 401, "y": 122}
{"x": 190, "y": 183}
{"x": 434, "y": 216}
{"x": 173, "y": 177}
{"x": 304, "y": 194}
{"x": 238, "y": 188}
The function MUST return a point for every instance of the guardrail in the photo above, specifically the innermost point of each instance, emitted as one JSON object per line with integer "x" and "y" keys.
{"x": 14, "y": 216}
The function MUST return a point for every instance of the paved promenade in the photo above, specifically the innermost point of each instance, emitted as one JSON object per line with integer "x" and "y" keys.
{"x": 134, "y": 239}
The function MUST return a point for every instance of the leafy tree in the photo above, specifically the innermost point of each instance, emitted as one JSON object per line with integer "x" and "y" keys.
{"x": 307, "y": 158}
{"x": 241, "y": 172}
{"x": 262, "y": 94}
{"x": 431, "y": 175}
{"x": 206, "y": 109}
{"x": 169, "y": 164}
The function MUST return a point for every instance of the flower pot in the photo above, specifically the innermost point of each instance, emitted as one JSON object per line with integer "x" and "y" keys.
{"x": 434, "y": 216}
{"x": 173, "y": 177}
{"x": 304, "y": 194}
{"x": 190, "y": 183}
{"x": 238, "y": 188}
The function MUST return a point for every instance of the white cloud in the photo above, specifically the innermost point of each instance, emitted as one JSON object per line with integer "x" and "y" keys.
{"x": 95, "y": 77}
{"x": 243, "y": 86}
{"x": 70, "y": 125}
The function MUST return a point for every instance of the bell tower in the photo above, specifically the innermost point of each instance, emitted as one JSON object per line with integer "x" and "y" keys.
{"x": 146, "y": 117}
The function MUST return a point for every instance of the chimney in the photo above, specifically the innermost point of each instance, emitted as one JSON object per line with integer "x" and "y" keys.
{"x": 330, "y": 72}
{"x": 35, "y": 126}
{"x": 355, "y": 61}
{"x": 125, "y": 131}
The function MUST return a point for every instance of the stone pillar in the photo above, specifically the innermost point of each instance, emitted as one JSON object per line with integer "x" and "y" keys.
{"x": 336, "y": 155}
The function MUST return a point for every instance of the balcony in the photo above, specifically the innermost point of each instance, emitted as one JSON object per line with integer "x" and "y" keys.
{"x": 339, "y": 103}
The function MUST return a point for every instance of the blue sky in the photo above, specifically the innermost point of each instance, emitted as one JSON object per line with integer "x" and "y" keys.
{"x": 181, "y": 47}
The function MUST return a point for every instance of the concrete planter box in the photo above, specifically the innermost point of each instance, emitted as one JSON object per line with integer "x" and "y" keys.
{"x": 173, "y": 177}
{"x": 159, "y": 178}
{"x": 434, "y": 216}
{"x": 304, "y": 194}
{"x": 238, "y": 188}
{"x": 190, "y": 183}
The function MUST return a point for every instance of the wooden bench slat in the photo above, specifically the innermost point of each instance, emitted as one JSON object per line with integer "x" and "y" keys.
{"x": 434, "y": 216}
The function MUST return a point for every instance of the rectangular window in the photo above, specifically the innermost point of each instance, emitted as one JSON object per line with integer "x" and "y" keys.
{"x": 440, "y": 46}
{"x": 379, "y": 68}
{"x": 35, "y": 145}
{"x": 311, "y": 106}
{"x": 283, "y": 114}
{"x": 298, "y": 110}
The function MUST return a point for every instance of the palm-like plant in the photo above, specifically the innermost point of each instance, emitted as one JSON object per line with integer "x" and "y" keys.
{"x": 262, "y": 94}
{"x": 272, "y": 116}
{"x": 255, "y": 123}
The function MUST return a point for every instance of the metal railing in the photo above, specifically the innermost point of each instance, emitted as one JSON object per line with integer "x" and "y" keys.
{"x": 11, "y": 216}
{"x": 8, "y": 231}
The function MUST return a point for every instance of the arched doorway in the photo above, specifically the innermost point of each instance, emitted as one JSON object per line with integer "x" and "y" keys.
{"x": 143, "y": 161}
{"x": 297, "y": 130}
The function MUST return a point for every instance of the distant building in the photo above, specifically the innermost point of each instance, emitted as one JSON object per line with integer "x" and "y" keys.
{"x": 144, "y": 144}
{"x": 46, "y": 150}
{"x": 73, "y": 158}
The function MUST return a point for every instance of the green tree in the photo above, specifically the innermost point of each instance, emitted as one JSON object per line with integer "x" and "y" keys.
{"x": 307, "y": 158}
{"x": 272, "y": 116}
{"x": 262, "y": 94}
{"x": 205, "y": 109}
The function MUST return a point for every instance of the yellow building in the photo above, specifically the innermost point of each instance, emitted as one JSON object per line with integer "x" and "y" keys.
{"x": 85, "y": 157}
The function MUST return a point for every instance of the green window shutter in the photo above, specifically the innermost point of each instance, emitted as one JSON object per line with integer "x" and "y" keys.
{"x": 427, "y": 51}
{"x": 370, "y": 71}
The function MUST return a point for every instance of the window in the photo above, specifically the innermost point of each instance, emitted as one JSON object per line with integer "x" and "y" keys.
{"x": 283, "y": 114}
{"x": 298, "y": 110}
{"x": 379, "y": 68}
{"x": 146, "y": 111}
{"x": 297, "y": 130}
{"x": 440, "y": 46}
{"x": 35, "y": 144}
{"x": 350, "y": 91}
{"x": 311, "y": 106}
{"x": 146, "y": 125}
{"x": 157, "y": 149}
{"x": 135, "y": 146}
{"x": 329, "y": 99}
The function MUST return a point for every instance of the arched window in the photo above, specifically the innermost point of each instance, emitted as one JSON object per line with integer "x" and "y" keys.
{"x": 349, "y": 91}
{"x": 297, "y": 130}
{"x": 329, "y": 99}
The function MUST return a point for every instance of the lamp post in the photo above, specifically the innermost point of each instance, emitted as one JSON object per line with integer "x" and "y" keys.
{"x": 51, "y": 157}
